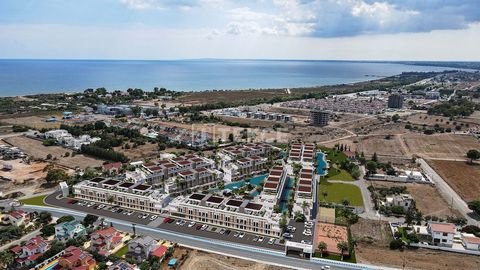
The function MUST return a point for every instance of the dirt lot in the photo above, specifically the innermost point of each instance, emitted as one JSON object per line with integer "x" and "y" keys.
{"x": 427, "y": 198}
{"x": 431, "y": 120}
{"x": 373, "y": 144}
{"x": 443, "y": 146}
{"x": 199, "y": 260}
{"x": 37, "y": 122}
{"x": 148, "y": 150}
{"x": 35, "y": 149}
{"x": 373, "y": 238}
{"x": 24, "y": 178}
{"x": 462, "y": 177}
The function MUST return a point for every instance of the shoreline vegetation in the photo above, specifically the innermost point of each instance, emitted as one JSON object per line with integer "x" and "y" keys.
{"x": 195, "y": 101}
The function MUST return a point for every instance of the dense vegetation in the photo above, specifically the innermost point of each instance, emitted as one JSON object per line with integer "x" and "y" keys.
{"x": 454, "y": 107}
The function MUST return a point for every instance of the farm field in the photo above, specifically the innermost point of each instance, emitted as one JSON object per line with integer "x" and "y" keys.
{"x": 35, "y": 149}
{"x": 440, "y": 146}
{"x": 427, "y": 198}
{"x": 460, "y": 176}
{"x": 336, "y": 192}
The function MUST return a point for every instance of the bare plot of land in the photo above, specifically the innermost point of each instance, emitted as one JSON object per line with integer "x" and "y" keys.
{"x": 427, "y": 198}
{"x": 442, "y": 146}
{"x": 148, "y": 150}
{"x": 199, "y": 260}
{"x": 431, "y": 120}
{"x": 380, "y": 144}
{"x": 35, "y": 149}
{"x": 415, "y": 259}
{"x": 460, "y": 176}
{"x": 374, "y": 236}
{"x": 37, "y": 122}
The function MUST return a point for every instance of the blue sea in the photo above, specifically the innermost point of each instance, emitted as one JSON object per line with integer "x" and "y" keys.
{"x": 21, "y": 77}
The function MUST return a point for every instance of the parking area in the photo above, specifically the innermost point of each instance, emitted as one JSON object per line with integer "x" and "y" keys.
{"x": 99, "y": 209}
{"x": 300, "y": 232}
{"x": 210, "y": 231}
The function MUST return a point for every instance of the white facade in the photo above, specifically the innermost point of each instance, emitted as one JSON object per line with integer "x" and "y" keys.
{"x": 442, "y": 233}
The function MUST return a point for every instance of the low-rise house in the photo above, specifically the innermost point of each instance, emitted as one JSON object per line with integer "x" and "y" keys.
{"x": 470, "y": 241}
{"x": 112, "y": 168}
{"x": 103, "y": 241}
{"x": 141, "y": 247}
{"x": 160, "y": 252}
{"x": 69, "y": 230}
{"x": 403, "y": 200}
{"x": 28, "y": 253}
{"x": 442, "y": 233}
{"x": 17, "y": 218}
{"x": 76, "y": 259}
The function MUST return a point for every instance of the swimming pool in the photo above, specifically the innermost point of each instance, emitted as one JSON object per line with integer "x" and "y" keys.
{"x": 256, "y": 181}
{"x": 50, "y": 266}
{"x": 321, "y": 163}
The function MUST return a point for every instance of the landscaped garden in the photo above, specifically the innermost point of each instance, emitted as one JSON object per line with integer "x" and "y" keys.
{"x": 339, "y": 192}
{"x": 35, "y": 200}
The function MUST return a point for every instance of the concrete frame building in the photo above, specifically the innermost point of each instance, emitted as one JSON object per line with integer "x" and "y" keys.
{"x": 319, "y": 118}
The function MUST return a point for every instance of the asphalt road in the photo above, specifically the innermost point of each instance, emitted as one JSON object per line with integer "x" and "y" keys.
{"x": 212, "y": 245}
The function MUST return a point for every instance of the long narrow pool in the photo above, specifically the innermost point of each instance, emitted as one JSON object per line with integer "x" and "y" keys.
{"x": 321, "y": 163}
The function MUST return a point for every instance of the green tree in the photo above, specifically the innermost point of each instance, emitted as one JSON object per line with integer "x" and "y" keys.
{"x": 48, "y": 230}
{"x": 136, "y": 110}
{"x": 371, "y": 166}
{"x": 375, "y": 157}
{"x": 322, "y": 246}
{"x": 44, "y": 218}
{"x": 395, "y": 118}
{"x": 55, "y": 175}
{"x": 473, "y": 155}
{"x": 475, "y": 206}
{"x": 231, "y": 137}
{"x": 89, "y": 220}
{"x": 65, "y": 219}
{"x": 6, "y": 259}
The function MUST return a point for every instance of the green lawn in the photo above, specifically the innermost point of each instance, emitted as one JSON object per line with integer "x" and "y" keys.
{"x": 34, "y": 200}
{"x": 342, "y": 175}
{"x": 333, "y": 155}
{"x": 121, "y": 252}
{"x": 336, "y": 192}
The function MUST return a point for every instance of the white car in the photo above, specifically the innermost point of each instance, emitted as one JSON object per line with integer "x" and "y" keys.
{"x": 307, "y": 232}
{"x": 260, "y": 239}
{"x": 153, "y": 217}
{"x": 271, "y": 241}
{"x": 241, "y": 235}
{"x": 191, "y": 224}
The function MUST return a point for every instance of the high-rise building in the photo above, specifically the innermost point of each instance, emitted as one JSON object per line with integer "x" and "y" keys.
{"x": 319, "y": 118}
{"x": 395, "y": 101}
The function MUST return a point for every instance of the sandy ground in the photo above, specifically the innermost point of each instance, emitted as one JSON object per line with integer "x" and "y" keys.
{"x": 148, "y": 150}
{"x": 199, "y": 260}
{"x": 373, "y": 144}
{"x": 431, "y": 120}
{"x": 443, "y": 146}
{"x": 462, "y": 177}
{"x": 37, "y": 122}
{"x": 35, "y": 149}
{"x": 428, "y": 199}
{"x": 373, "y": 238}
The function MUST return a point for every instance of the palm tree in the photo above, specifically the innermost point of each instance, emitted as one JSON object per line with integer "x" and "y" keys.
{"x": 342, "y": 246}
{"x": 305, "y": 206}
{"x": 322, "y": 246}
{"x": 110, "y": 199}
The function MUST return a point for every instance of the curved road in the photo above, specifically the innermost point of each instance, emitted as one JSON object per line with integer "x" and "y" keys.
{"x": 212, "y": 245}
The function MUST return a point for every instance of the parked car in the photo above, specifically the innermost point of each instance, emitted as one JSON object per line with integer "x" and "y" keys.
{"x": 287, "y": 235}
{"x": 167, "y": 220}
{"x": 241, "y": 235}
{"x": 153, "y": 217}
{"x": 307, "y": 232}
{"x": 222, "y": 231}
{"x": 199, "y": 226}
{"x": 307, "y": 242}
{"x": 204, "y": 227}
{"x": 236, "y": 234}
{"x": 271, "y": 241}
{"x": 255, "y": 239}
{"x": 227, "y": 232}
{"x": 191, "y": 224}
{"x": 261, "y": 238}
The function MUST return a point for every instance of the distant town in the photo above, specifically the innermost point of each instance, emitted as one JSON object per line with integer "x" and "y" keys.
{"x": 372, "y": 175}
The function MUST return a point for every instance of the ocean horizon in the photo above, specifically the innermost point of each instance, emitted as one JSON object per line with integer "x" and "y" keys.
{"x": 25, "y": 76}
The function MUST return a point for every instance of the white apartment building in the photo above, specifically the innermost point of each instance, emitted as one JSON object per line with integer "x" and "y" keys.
{"x": 300, "y": 152}
{"x": 122, "y": 193}
{"x": 66, "y": 139}
{"x": 248, "y": 150}
{"x": 442, "y": 233}
{"x": 193, "y": 179}
{"x": 239, "y": 169}
{"x": 275, "y": 182}
{"x": 237, "y": 214}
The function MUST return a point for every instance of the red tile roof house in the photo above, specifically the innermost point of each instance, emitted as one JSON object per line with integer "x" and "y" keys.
{"x": 112, "y": 167}
{"x": 29, "y": 253}
{"x": 160, "y": 252}
{"x": 103, "y": 241}
{"x": 17, "y": 217}
{"x": 442, "y": 233}
{"x": 76, "y": 259}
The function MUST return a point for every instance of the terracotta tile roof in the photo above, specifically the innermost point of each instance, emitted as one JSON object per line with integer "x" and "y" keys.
{"x": 160, "y": 251}
{"x": 443, "y": 227}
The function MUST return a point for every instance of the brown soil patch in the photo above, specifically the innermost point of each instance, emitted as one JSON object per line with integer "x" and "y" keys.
{"x": 199, "y": 260}
{"x": 447, "y": 146}
{"x": 460, "y": 176}
{"x": 427, "y": 198}
{"x": 35, "y": 149}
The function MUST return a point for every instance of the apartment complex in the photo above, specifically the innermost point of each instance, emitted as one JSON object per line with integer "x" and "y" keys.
{"x": 319, "y": 118}
{"x": 157, "y": 172}
{"x": 66, "y": 139}
{"x": 123, "y": 193}
{"x": 302, "y": 152}
{"x": 240, "y": 162}
{"x": 232, "y": 213}
{"x": 275, "y": 182}
{"x": 395, "y": 101}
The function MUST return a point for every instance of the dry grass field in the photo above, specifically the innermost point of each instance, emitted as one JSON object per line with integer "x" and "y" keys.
{"x": 374, "y": 236}
{"x": 35, "y": 149}
{"x": 427, "y": 198}
{"x": 462, "y": 177}
{"x": 37, "y": 122}
{"x": 199, "y": 260}
{"x": 431, "y": 120}
{"x": 442, "y": 146}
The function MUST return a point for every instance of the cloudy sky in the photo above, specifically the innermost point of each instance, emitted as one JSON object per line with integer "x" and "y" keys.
{"x": 266, "y": 29}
